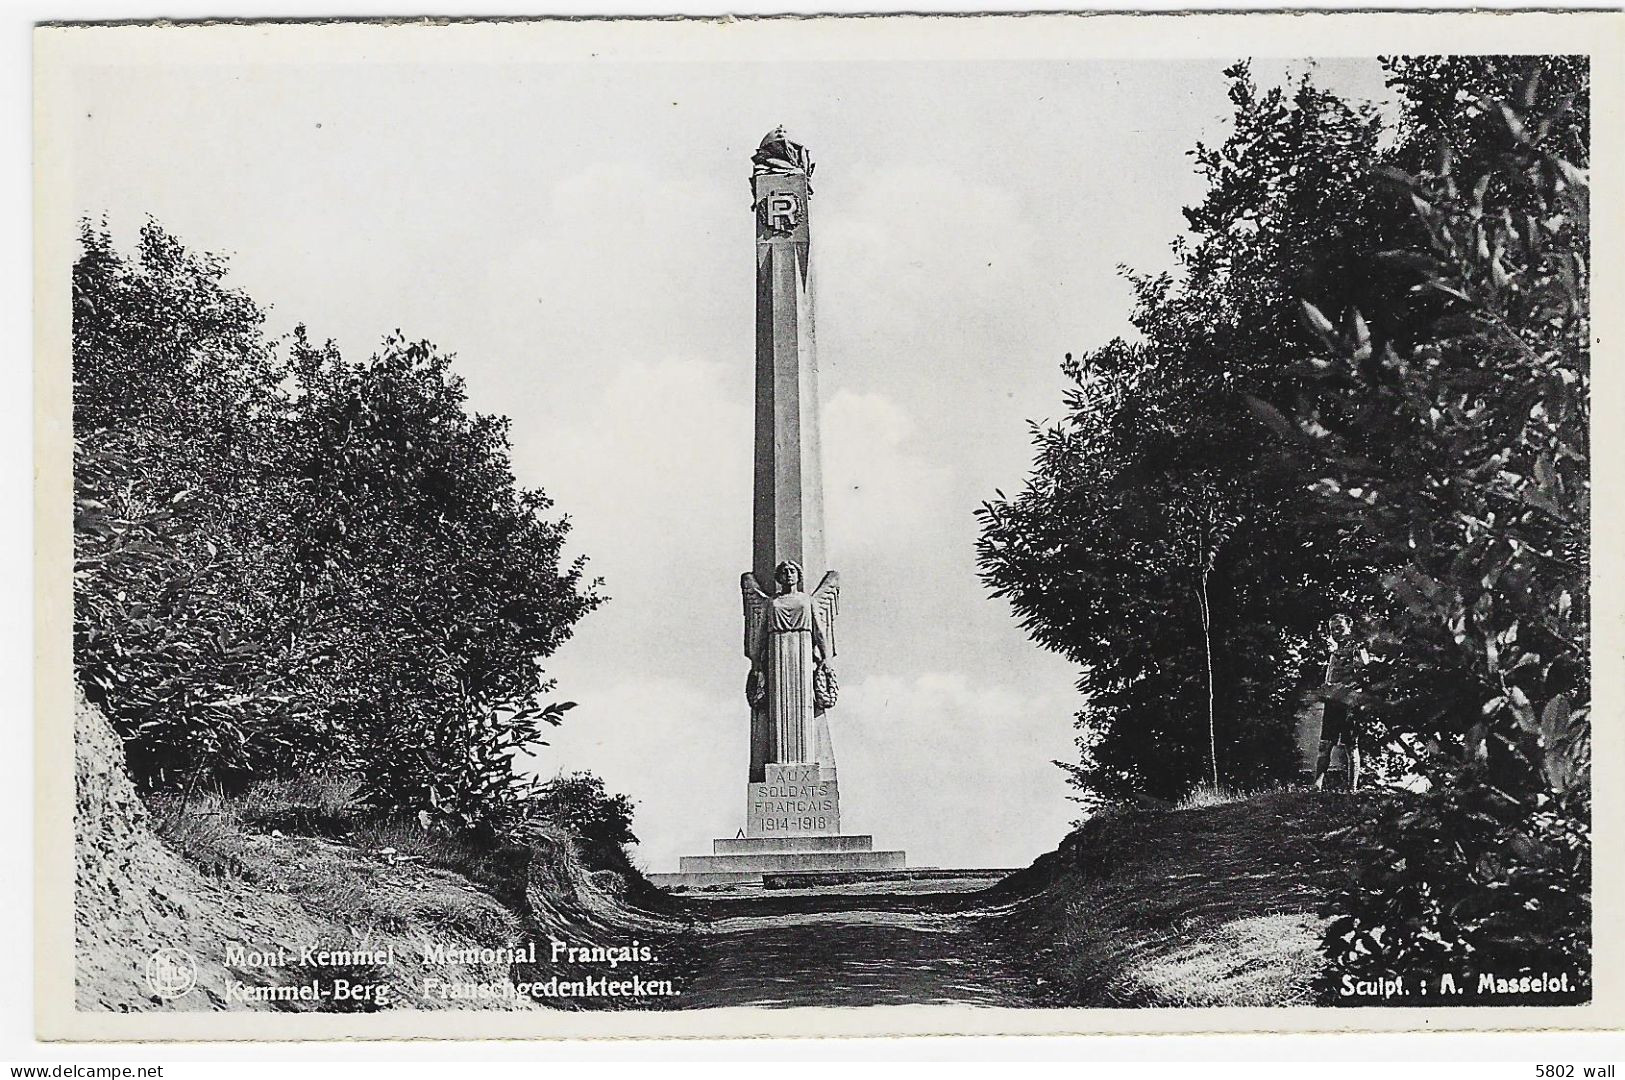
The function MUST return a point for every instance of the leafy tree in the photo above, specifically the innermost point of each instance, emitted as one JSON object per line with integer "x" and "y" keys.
{"x": 1159, "y": 541}
{"x": 287, "y": 558}
{"x": 446, "y": 575}
{"x": 1428, "y": 472}
{"x": 1453, "y": 102}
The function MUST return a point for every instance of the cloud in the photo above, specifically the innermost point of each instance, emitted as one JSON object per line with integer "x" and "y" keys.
{"x": 610, "y": 264}
{"x": 678, "y": 749}
{"x": 877, "y": 485}
{"x": 654, "y": 469}
{"x": 923, "y": 254}
{"x": 954, "y": 769}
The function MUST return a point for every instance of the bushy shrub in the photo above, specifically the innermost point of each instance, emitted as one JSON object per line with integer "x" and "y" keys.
{"x": 600, "y": 822}
{"x": 188, "y": 628}
{"x": 459, "y": 769}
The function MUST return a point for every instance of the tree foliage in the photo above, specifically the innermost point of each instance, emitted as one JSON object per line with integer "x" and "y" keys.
{"x": 1466, "y": 455}
{"x": 1365, "y": 391}
{"x": 1157, "y": 527}
{"x": 289, "y": 560}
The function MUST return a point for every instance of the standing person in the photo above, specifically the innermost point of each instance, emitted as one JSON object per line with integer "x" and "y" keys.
{"x": 1337, "y": 765}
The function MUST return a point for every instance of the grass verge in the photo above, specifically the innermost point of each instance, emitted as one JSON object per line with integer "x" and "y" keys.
{"x": 1215, "y": 903}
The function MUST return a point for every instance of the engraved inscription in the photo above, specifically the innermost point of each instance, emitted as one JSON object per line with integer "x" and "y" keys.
{"x": 793, "y": 800}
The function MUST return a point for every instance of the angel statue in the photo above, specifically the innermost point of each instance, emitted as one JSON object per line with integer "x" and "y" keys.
{"x": 789, "y": 639}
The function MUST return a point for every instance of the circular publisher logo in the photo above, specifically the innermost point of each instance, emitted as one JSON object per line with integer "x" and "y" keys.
{"x": 171, "y": 972}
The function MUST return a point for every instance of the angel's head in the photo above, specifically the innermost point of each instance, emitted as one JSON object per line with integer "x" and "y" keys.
{"x": 788, "y": 575}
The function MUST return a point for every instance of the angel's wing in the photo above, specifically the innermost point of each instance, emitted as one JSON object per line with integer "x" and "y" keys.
{"x": 826, "y": 604}
{"x": 757, "y": 606}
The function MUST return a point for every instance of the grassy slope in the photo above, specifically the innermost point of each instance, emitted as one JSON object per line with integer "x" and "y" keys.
{"x": 1214, "y": 905}
{"x": 284, "y": 867}
{"x": 134, "y": 893}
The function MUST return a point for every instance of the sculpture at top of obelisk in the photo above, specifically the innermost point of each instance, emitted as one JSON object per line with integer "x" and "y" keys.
{"x": 789, "y": 632}
{"x": 778, "y": 154}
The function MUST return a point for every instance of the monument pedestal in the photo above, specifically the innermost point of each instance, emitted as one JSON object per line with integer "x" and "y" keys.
{"x": 792, "y": 825}
{"x": 794, "y": 800}
{"x": 743, "y": 860}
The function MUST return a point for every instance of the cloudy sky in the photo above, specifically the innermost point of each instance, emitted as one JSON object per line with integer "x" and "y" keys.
{"x": 580, "y": 235}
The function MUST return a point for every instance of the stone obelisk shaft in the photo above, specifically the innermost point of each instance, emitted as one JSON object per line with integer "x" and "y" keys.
{"x": 789, "y": 492}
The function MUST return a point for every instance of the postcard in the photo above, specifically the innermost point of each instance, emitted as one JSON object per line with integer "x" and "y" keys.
{"x": 828, "y": 526}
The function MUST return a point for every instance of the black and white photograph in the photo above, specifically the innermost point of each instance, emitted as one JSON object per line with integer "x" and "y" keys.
{"x": 578, "y": 526}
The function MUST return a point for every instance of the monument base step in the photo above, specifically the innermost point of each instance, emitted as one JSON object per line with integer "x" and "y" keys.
{"x": 742, "y": 860}
{"x": 752, "y": 845}
{"x": 814, "y": 878}
{"x": 700, "y": 881}
{"x": 762, "y": 862}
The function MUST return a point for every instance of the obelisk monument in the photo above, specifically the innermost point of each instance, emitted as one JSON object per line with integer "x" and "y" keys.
{"x": 788, "y": 503}
{"x": 789, "y": 624}
{"x": 790, "y": 597}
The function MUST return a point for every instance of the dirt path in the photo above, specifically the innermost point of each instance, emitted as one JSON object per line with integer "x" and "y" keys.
{"x": 851, "y": 949}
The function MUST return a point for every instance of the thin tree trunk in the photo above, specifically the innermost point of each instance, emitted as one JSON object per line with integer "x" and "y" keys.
{"x": 186, "y": 797}
{"x": 1207, "y": 646}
